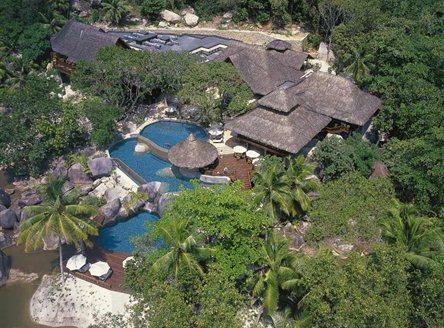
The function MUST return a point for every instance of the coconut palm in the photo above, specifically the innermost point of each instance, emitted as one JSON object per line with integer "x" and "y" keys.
{"x": 184, "y": 252}
{"x": 271, "y": 190}
{"x": 58, "y": 216}
{"x": 359, "y": 67}
{"x": 115, "y": 11}
{"x": 420, "y": 237}
{"x": 277, "y": 280}
{"x": 18, "y": 71}
{"x": 301, "y": 180}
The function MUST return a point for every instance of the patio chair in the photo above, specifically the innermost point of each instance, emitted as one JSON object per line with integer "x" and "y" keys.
{"x": 84, "y": 268}
{"x": 106, "y": 275}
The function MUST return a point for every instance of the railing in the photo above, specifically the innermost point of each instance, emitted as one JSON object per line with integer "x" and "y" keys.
{"x": 61, "y": 63}
{"x": 128, "y": 171}
{"x": 154, "y": 148}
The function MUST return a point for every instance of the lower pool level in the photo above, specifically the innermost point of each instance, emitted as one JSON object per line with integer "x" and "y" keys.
{"x": 118, "y": 237}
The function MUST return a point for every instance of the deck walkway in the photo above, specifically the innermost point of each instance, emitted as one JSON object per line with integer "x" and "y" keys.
{"x": 238, "y": 169}
{"x": 114, "y": 259}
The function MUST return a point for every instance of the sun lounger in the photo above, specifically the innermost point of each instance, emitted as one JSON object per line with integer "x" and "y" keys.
{"x": 106, "y": 275}
{"x": 84, "y": 268}
{"x": 209, "y": 179}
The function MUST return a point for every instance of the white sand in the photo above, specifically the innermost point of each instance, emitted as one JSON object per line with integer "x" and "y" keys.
{"x": 78, "y": 303}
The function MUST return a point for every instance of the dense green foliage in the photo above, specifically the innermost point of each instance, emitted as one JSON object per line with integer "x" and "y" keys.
{"x": 226, "y": 219}
{"x": 61, "y": 216}
{"x": 416, "y": 167}
{"x": 281, "y": 186}
{"x": 351, "y": 207}
{"x": 103, "y": 118}
{"x": 126, "y": 78}
{"x": 359, "y": 292}
{"x": 336, "y": 157}
{"x": 217, "y": 89}
{"x": 37, "y": 127}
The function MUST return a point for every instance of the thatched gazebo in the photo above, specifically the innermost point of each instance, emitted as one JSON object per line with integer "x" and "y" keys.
{"x": 279, "y": 45}
{"x": 192, "y": 153}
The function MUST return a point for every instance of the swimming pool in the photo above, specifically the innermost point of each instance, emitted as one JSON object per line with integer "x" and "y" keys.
{"x": 151, "y": 168}
{"x": 148, "y": 166}
{"x": 117, "y": 237}
{"x": 168, "y": 133}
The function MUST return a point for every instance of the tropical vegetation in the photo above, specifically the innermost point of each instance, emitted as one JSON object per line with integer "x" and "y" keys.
{"x": 59, "y": 216}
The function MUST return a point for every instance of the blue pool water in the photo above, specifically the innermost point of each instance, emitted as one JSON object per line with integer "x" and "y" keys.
{"x": 151, "y": 168}
{"x": 148, "y": 166}
{"x": 168, "y": 133}
{"x": 118, "y": 237}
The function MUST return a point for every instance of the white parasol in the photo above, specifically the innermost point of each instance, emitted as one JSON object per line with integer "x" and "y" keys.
{"x": 99, "y": 268}
{"x": 125, "y": 261}
{"x": 76, "y": 262}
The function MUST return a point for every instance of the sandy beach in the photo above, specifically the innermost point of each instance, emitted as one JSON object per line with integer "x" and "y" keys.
{"x": 78, "y": 303}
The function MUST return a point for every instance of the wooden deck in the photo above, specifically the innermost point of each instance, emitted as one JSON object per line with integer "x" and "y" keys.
{"x": 114, "y": 260}
{"x": 237, "y": 169}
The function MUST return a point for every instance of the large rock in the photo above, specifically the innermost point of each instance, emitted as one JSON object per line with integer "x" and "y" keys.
{"x": 77, "y": 175}
{"x": 50, "y": 243}
{"x": 5, "y": 199}
{"x": 132, "y": 207}
{"x": 100, "y": 167}
{"x": 170, "y": 16}
{"x": 227, "y": 17}
{"x": 5, "y": 266}
{"x": 85, "y": 189}
{"x": 152, "y": 189}
{"x": 25, "y": 214}
{"x": 111, "y": 210}
{"x": 60, "y": 170}
{"x": 29, "y": 197}
{"x": 67, "y": 187}
{"x": 191, "y": 19}
{"x": 141, "y": 148}
{"x": 113, "y": 193}
{"x": 7, "y": 219}
{"x": 5, "y": 240}
{"x": 163, "y": 202}
{"x": 187, "y": 10}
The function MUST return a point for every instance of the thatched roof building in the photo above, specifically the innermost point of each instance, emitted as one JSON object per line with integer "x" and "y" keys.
{"x": 192, "y": 153}
{"x": 264, "y": 70}
{"x": 279, "y": 45}
{"x": 77, "y": 41}
{"x": 289, "y": 117}
{"x": 379, "y": 170}
{"x": 283, "y": 131}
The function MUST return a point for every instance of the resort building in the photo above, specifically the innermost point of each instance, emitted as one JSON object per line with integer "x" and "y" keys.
{"x": 294, "y": 108}
{"x": 292, "y": 115}
{"x": 77, "y": 41}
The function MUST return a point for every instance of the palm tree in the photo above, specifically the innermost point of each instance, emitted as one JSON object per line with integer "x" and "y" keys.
{"x": 18, "y": 71}
{"x": 271, "y": 190}
{"x": 301, "y": 180}
{"x": 115, "y": 11}
{"x": 278, "y": 275}
{"x": 184, "y": 252}
{"x": 58, "y": 216}
{"x": 359, "y": 67}
{"x": 421, "y": 239}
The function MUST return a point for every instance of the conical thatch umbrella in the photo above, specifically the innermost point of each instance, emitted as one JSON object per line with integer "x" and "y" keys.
{"x": 192, "y": 153}
{"x": 279, "y": 45}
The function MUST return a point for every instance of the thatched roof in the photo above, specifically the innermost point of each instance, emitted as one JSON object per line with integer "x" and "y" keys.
{"x": 379, "y": 170}
{"x": 78, "y": 41}
{"x": 289, "y": 132}
{"x": 336, "y": 97}
{"x": 280, "y": 100}
{"x": 264, "y": 70}
{"x": 279, "y": 45}
{"x": 192, "y": 153}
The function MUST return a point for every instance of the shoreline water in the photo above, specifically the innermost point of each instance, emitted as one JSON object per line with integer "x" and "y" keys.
{"x": 15, "y": 296}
